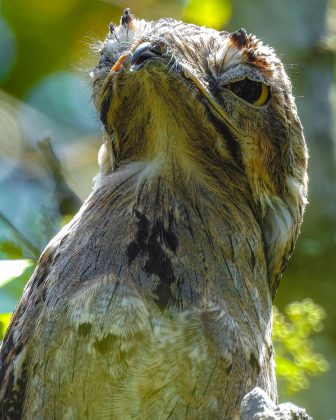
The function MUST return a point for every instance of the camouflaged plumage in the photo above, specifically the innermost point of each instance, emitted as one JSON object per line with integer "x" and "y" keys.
{"x": 155, "y": 301}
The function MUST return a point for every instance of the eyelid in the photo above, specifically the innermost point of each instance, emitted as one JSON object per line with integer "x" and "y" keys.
{"x": 242, "y": 71}
{"x": 224, "y": 84}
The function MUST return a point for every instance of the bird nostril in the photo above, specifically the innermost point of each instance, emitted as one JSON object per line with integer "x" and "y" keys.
{"x": 145, "y": 51}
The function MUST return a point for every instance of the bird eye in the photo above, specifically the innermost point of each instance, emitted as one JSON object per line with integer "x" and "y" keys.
{"x": 256, "y": 93}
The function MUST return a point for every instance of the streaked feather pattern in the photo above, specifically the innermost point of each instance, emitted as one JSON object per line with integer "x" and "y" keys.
{"x": 155, "y": 302}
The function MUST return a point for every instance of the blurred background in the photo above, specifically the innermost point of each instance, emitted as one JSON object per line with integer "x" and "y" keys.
{"x": 50, "y": 136}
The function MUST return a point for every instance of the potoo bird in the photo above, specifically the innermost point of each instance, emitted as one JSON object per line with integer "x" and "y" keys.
{"x": 155, "y": 301}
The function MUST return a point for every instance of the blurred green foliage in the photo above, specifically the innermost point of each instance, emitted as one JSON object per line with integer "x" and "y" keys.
{"x": 294, "y": 351}
{"x": 213, "y": 13}
{"x": 4, "y": 321}
{"x": 14, "y": 275}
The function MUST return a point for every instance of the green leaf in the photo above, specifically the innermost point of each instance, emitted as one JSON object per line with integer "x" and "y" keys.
{"x": 213, "y": 13}
{"x": 11, "y": 269}
{"x": 294, "y": 352}
{"x": 4, "y": 321}
{"x": 10, "y": 249}
{"x": 14, "y": 275}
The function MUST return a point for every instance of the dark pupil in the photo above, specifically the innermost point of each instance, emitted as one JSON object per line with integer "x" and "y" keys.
{"x": 247, "y": 89}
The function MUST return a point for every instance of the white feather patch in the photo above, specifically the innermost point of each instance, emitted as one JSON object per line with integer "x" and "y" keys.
{"x": 279, "y": 226}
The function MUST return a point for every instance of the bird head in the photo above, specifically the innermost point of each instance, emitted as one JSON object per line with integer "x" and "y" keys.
{"x": 206, "y": 107}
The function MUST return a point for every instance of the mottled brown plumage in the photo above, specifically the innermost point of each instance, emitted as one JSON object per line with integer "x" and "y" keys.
{"x": 155, "y": 302}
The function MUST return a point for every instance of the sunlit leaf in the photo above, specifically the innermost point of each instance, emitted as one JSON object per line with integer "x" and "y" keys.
{"x": 4, "y": 321}
{"x": 11, "y": 269}
{"x": 213, "y": 13}
{"x": 14, "y": 275}
{"x": 66, "y": 219}
{"x": 294, "y": 351}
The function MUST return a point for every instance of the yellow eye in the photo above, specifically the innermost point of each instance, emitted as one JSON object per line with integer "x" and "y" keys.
{"x": 256, "y": 93}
